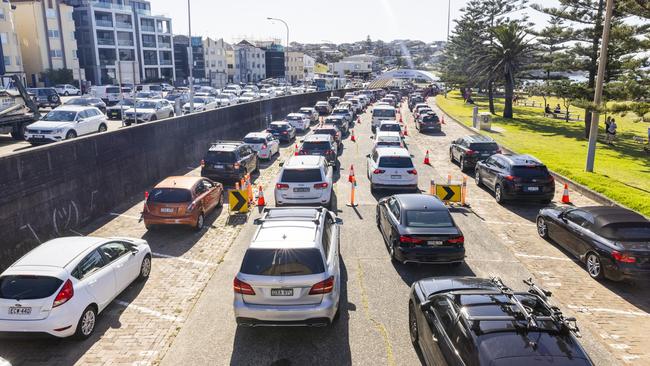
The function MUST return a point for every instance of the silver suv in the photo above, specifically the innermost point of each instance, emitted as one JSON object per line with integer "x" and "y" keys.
{"x": 304, "y": 180}
{"x": 290, "y": 274}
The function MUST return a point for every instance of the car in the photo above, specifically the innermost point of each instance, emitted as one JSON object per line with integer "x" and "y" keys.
{"x": 299, "y": 121}
{"x": 109, "y": 94}
{"x": 415, "y": 99}
{"x": 88, "y": 102}
{"x": 421, "y": 112}
{"x": 389, "y": 139}
{"x": 323, "y": 145}
{"x": 148, "y": 110}
{"x": 479, "y": 321}
{"x": 390, "y": 126}
{"x": 323, "y": 108}
{"x": 166, "y": 87}
{"x": 45, "y": 97}
{"x": 67, "y": 89}
{"x": 611, "y": 241}
{"x": 226, "y": 99}
{"x": 391, "y": 168}
{"x": 182, "y": 200}
{"x": 515, "y": 177}
{"x": 229, "y": 161}
{"x": 388, "y": 101}
{"x": 151, "y": 94}
{"x": 332, "y": 130}
{"x": 347, "y": 105}
{"x": 64, "y": 123}
{"x": 382, "y": 113}
{"x": 344, "y": 112}
{"x": 116, "y": 111}
{"x": 181, "y": 97}
{"x": 304, "y": 180}
{"x": 333, "y": 101}
{"x": 150, "y": 88}
{"x": 469, "y": 150}
{"x": 234, "y": 89}
{"x": 418, "y": 228}
{"x": 342, "y": 123}
{"x": 291, "y": 272}
{"x": 281, "y": 130}
{"x": 356, "y": 105}
{"x": 428, "y": 122}
{"x": 263, "y": 143}
{"x": 60, "y": 287}
{"x": 310, "y": 112}
{"x": 267, "y": 93}
{"x": 418, "y": 107}
{"x": 248, "y": 96}
{"x": 201, "y": 104}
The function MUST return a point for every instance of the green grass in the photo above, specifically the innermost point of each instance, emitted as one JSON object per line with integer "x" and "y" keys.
{"x": 622, "y": 172}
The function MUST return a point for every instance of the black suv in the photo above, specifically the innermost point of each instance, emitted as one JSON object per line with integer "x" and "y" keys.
{"x": 469, "y": 150}
{"x": 415, "y": 99}
{"x": 323, "y": 145}
{"x": 229, "y": 161}
{"x": 476, "y": 321}
{"x": 282, "y": 131}
{"x": 516, "y": 176}
{"x": 340, "y": 122}
{"x": 45, "y": 97}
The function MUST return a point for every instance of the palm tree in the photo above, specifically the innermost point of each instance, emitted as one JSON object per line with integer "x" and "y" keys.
{"x": 509, "y": 52}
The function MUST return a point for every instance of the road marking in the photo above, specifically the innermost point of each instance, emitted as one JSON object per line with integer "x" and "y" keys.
{"x": 4, "y": 362}
{"x": 124, "y": 215}
{"x": 490, "y": 260}
{"x": 584, "y": 309}
{"x": 198, "y": 263}
{"x": 148, "y": 311}
{"x": 508, "y": 223}
{"x": 524, "y": 255}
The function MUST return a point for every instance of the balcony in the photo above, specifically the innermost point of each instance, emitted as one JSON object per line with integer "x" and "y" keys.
{"x": 123, "y": 25}
{"x": 104, "y": 23}
{"x": 125, "y": 42}
{"x": 148, "y": 28}
{"x": 166, "y": 62}
{"x": 105, "y": 42}
{"x": 98, "y": 4}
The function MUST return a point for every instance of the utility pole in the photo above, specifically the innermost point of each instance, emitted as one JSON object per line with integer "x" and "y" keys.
{"x": 190, "y": 57}
{"x": 598, "y": 95}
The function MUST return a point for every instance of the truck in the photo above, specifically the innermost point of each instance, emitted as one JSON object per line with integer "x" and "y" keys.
{"x": 17, "y": 108}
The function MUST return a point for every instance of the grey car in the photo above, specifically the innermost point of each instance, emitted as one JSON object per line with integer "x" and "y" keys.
{"x": 290, "y": 274}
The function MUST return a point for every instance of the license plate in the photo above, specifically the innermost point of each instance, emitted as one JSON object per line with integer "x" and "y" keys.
{"x": 301, "y": 189}
{"x": 281, "y": 292}
{"x": 218, "y": 166}
{"x": 434, "y": 242}
{"x": 167, "y": 210}
{"x": 19, "y": 311}
{"x": 39, "y": 136}
{"x": 532, "y": 189}
{"x": 395, "y": 177}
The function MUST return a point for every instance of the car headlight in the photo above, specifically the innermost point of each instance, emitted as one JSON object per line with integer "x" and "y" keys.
{"x": 58, "y": 130}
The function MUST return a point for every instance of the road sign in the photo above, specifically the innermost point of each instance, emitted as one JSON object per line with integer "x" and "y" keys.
{"x": 238, "y": 200}
{"x": 448, "y": 192}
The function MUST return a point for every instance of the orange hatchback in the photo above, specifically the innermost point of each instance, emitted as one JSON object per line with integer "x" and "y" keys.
{"x": 182, "y": 201}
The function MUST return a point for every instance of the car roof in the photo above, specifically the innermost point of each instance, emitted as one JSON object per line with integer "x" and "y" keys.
{"x": 288, "y": 228}
{"x": 183, "y": 182}
{"x": 318, "y": 138}
{"x": 58, "y": 252}
{"x": 322, "y": 102}
{"x": 478, "y": 138}
{"x": 73, "y": 108}
{"x": 391, "y": 151}
{"x": 225, "y": 146}
{"x": 607, "y": 215}
{"x": 417, "y": 201}
{"x": 257, "y": 134}
{"x": 388, "y": 122}
{"x": 279, "y": 123}
{"x": 304, "y": 161}
{"x": 295, "y": 115}
{"x": 327, "y": 126}
{"x": 388, "y": 133}
{"x": 382, "y": 106}
{"x": 436, "y": 285}
{"x": 521, "y": 159}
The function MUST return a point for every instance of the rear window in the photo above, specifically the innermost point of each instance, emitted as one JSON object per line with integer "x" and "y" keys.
{"x": 383, "y": 113}
{"x": 530, "y": 171}
{"x": 301, "y": 175}
{"x": 325, "y": 131}
{"x": 484, "y": 146}
{"x": 430, "y": 118}
{"x": 169, "y": 195}
{"x": 254, "y": 140}
{"x": 221, "y": 157}
{"x": 428, "y": 219}
{"x": 392, "y": 127}
{"x": 626, "y": 232}
{"x": 395, "y": 162}
{"x": 28, "y": 287}
{"x": 278, "y": 127}
{"x": 282, "y": 262}
{"x": 316, "y": 145}
{"x": 115, "y": 90}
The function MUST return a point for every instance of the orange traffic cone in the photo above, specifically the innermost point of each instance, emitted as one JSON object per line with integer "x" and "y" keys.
{"x": 260, "y": 197}
{"x": 351, "y": 177}
{"x": 400, "y": 118}
{"x": 565, "y": 195}
{"x": 352, "y": 138}
{"x": 443, "y": 119}
{"x": 406, "y": 130}
{"x": 295, "y": 150}
{"x": 426, "y": 158}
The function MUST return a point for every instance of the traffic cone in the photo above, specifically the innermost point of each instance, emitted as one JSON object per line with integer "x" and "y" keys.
{"x": 406, "y": 130}
{"x": 400, "y": 118}
{"x": 352, "y": 138}
{"x": 426, "y": 158}
{"x": 260, "y": 197}
{"x": 443, "y": 119}
{"x": 351, "y": 176}
{"x": 295, "y": 150}
{"x": 565, "y": 195}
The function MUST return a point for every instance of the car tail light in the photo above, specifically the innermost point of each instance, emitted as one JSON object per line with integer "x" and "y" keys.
{"x": 470, "y": 152}
{"x": 378, "y": 171}
{"x": 241, "y": 287}
{"x": 321, "y": 185}
{"x": 284, "y": 132}
{"x": 146, "y": 195}
{"x": 410, "y": 240}
{"x": 456, "y": 240}
{"x": 323, "y": 287}
{"x": 202, "y": 163}
{"x": 264, "y": 146}
{"x": 236, "y": 165}
{"x": 329, "y": 152}
{"x": 412, "y": 171}
{"x": 66, "y": 293}
{"x": 510, "y": 178}
{"x": 281, "y": 186}
{"x": 623, "y": 258}
{"x": 302, "y": 152}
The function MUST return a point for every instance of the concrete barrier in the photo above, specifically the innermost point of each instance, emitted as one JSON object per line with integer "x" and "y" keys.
{"x": 51, "y": 190}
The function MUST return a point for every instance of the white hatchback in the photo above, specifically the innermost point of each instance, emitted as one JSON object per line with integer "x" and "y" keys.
{"x": 60, "y": 286}
{"x": 304, "y": 179}
{"x": 389, "y": 139}
{"x": 299, "y": 121}
{"x": 391, "y": 168}
{"x": 263, "y": 143}
{"x": 64, "y": 123}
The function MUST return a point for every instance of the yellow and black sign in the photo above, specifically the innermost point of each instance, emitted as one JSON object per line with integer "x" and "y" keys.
{"x": 238, "y": 200}
{"x": 449, "y": 192}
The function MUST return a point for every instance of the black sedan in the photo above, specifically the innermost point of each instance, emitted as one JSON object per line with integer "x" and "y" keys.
{"x": 282, "y": 131}
{"x": 88, "y": 102}
{"x": 476, "y": 321}
{"x": 418, "y": 228}
{"x": 612, "y": 242}
{"x": 116, "y": 111}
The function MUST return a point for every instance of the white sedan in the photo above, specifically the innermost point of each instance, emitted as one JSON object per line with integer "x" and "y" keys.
{"x": 60, "y": 286}
{"x": 263, "y": 143}
{"x": 201, "y": 104}
{"x": 299, "y": 121}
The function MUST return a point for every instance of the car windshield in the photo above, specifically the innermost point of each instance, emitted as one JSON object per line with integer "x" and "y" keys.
{"x": 28, "y": 287}
{"x": 383, "y": 113}
{"x": 391, "y": 127}
{"x": 146, "y": 104}
{"x": 439, "y": 218}
{"x": 282, "y": 262}
{"x": 301, "y": 175}
{"x": 80, "y": 101}
{"x": 169, "y": 195}
{"x": 228, "y": 157}
{"x": 294, "y": 118}
{"x": 128, "y": 102}
{"x": 281, "y": 127}
{"x": 316, "y": 145}
{"x": 395, "y": 162}
{"x": 113, "y": 90}
{"x": 389, "y": 140}
{"x": 627, "y": 232}
{"x": 60, "y": 116}
{"x": 200, "y": 100}
{"x": 248, "y": 95}
{"x": 254, "y": 140}
{"x": 535, "y": 171}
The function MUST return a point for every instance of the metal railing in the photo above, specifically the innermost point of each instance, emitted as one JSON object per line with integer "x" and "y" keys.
{"x": 104, "y": 23}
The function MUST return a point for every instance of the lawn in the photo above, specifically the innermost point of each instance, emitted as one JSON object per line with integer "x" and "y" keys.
{"x": 622, "y": 172}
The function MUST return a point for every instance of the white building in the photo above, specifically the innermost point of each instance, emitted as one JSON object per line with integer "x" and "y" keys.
{"x": 295, "y": 67}
{"x": 249, "y": 63}
{"x": 216, "y": 61}
{"x": 12, "y": 53}
{"x": 309, "y": 63}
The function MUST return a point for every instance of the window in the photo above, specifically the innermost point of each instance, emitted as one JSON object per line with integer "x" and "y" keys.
{"x": 444, "y": 311}
{"x": 56, "y": 53}
{"x": 580, "y": 218}
{"x": 3, "y": 37}
{"x": 28, "y": 287}
{"x": 7, "y": 61}
{"x": 19, "y": 61}
{"x": 281, "y": 262}
{"x": 53, "y": 33}
{"x": 2, "y": 13}
{"x": 50, "y": 13}
{"x": 327, "y": 236}
{"x": 89, "y": 265}
{"x": 112, "y": 251}
{"x": 393, "y": 206}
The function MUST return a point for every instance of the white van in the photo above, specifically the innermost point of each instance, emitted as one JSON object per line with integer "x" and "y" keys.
{"x": 382, "y": 113}
{"x": 150, "y": 87}
{"x": 110, "y": 94}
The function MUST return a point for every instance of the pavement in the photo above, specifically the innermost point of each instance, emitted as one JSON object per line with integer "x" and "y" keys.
{"x": 183, "y": 314}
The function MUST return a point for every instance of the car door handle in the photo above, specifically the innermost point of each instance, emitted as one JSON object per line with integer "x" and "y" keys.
{"x": 92, "y": 282}
{"x": 434, "y": 338}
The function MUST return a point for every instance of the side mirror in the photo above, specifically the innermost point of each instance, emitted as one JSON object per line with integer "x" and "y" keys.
{"x": 368, "y": 156}
{"x": 134, "y": 251}
{"x": 281, "y": 164}
{"x": 339, "y": 221}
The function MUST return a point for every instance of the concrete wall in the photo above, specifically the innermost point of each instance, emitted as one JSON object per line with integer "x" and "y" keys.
{"x": 50, "y": 190}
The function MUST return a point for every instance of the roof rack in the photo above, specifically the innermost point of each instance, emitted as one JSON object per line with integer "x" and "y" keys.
{"x": 265, "y": 218}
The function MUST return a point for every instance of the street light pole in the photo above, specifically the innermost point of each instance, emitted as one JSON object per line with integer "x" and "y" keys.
{"x": 448, "y": 18}
{"x": 598, "y": 94}
{"x": 286, "y": 54}
{"x": 190, "y": 57}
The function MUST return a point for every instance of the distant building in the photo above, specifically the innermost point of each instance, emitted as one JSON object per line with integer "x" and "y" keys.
{"x": 295, "y": 68}
{"x": 250, "y": 62}
{"x": 309, "y": 64}
{"x": 216, "y": 64}
{"x": 275, "y": 59}
{"x": 13, "y": 60}
{"x": 181, "y": 59}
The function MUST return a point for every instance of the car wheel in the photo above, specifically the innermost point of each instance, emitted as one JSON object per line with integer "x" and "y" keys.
{"x": 145, "y": 268}
{"x": 102, "y": 128}
{"x": 498, "y": 194}
{"x": 373, "y": 190}
{"x": 477, "y": 178}
{"x": 149, "y": 226}
{"x": 66, "y": 93}
{"x": 542, "y": 227}
{"x": 200, "y": 221}
{"x": 451, "y": 156}
{"x": 171, "y": 114}
{"x": 461, "y": 163}
{"x": 86, "y": 324}
{"x": 220, "y": 201}
{"x": 391, "y": 250}
{"x": 594, "y": 266}
{"x": 257, "y": 166}
{"x": 413, "y": 324}
{"x": 70, "y": 135}
{"x": 153, "y": 118}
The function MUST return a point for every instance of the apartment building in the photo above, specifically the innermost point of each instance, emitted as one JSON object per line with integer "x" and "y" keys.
{"x": 295, "y": 68}
{"x": 249, "y": 61}
{"x": 216, "y": 64}
{"x": 13, "y": 60}
{"x": 46, "y": 33}
{"x": 181, "y": 59}
{"x": 309, "y": 64}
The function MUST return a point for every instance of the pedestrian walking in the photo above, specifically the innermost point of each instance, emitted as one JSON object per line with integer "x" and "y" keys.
{"x": 611, "y": 131}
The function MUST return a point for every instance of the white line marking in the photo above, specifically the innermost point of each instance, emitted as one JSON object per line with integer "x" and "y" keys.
{"x": 144, "y": 310}
{"x": 584, "y": 309}
{"x": 542, "y": 257}
{"x": 198, "y": 263}
{"x": 4, "y": 362}
{"x": 123, "y": 215}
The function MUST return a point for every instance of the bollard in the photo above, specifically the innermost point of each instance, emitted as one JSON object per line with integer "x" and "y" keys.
{"x": 463, "y": 191}
{"x": 432, "y": 188}
{"x": 352, "y": 190}
{"x": 448, "y": 178}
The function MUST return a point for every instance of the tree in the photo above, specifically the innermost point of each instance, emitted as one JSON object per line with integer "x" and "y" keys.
{"x": 540, "y": 89}
{"x": 368, "y": 44}
{"x": 506, "y": 57}
{"x": 552, "y": 45}
{"x": 567, "y": 91}
{"x": 58, "y": 76}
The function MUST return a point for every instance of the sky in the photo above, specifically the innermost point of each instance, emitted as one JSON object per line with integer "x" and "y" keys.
{"x": 312, "y": 21}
